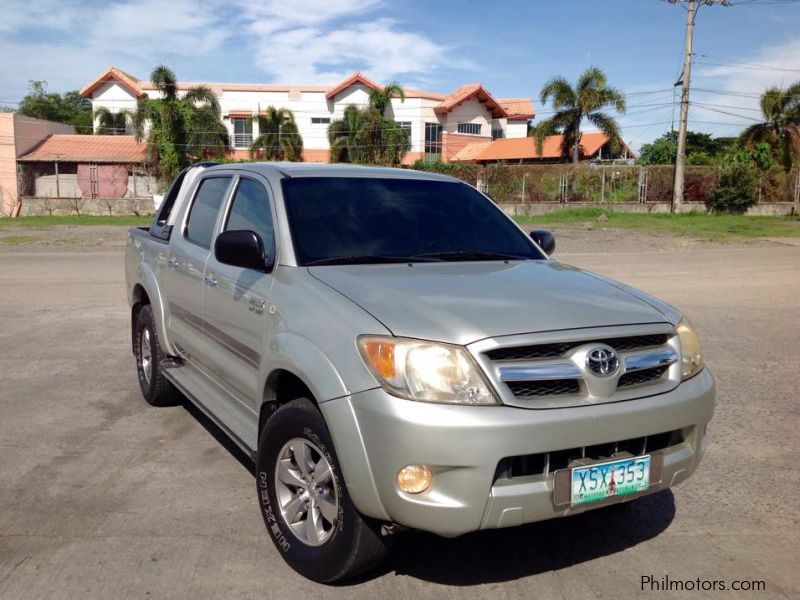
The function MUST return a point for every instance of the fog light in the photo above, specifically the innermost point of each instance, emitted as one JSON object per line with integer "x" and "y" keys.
{"x": 414, "y": 479}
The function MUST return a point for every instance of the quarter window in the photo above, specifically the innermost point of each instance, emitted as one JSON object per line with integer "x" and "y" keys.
{"x": 250, "y": 210}
{"x": 470, "y": 128}
{"x": 203, "y": 215}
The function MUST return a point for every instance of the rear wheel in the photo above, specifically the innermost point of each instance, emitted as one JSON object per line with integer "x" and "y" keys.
{"x": 149, "y": 358}
{"x": 304, "y": 499}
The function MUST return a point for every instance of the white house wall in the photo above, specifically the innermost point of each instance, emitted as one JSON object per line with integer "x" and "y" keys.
{"x": 308, "y": 104}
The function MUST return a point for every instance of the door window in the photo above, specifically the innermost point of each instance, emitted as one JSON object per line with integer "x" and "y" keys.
{"x": 203, "y": 215}
{"x": 250, "y": 211}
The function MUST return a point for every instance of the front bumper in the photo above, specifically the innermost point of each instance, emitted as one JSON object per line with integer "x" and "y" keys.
{"x": 377, "y": 434}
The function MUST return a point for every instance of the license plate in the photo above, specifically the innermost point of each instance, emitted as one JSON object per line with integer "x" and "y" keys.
{"x": 616, "y": 478}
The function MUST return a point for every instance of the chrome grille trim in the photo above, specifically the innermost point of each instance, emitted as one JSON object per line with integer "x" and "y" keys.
{"x": 567, "y": 380}
{"x": 650, "y": 360}
{"x": 540, "y": 372}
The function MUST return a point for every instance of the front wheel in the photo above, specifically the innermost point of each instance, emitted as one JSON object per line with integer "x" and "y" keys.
{"x": 304, "y": 499}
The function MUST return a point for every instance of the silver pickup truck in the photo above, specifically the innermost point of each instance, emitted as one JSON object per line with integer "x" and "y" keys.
{"x": 394, "y": 352}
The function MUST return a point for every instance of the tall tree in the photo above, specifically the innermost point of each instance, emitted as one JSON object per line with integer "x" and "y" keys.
{"x": 70, "y": 108}
{"x": 111, "y": 123}
{"x": 366, "y": 136}
{"x": 380, "y": 98}
{"x": 179, "y": 129}
{"x": 278, "y": 136}
{"x": 572, "y": 105}
{"x": 781, "y": 111}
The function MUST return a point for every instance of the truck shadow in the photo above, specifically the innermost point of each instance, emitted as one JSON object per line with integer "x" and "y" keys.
{"x": 504, "y": 554}
{"x": 498, "y": 555}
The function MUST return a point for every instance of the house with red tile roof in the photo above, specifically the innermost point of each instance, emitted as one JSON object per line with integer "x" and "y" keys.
{"x": 439, "y": 125}
{"x": 86, "y": 166}
{"x": 595, "y": 145}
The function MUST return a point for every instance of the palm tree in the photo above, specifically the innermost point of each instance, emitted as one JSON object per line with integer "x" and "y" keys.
{"x": 781, "y": 127}
{"x": 344, "y": 135}
{"x": 111, "y": 123}
{"x": 572, "y": 105}
{"x": 364, "y": 136}
{"x": 380, "y": 98}
{"x": 178, "y": 129}
{"x": 278, "y": 136}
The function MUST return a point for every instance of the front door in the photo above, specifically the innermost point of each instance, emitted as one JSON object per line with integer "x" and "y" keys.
{"x": 189, "y": 249}
{"x": 236, "y": 300}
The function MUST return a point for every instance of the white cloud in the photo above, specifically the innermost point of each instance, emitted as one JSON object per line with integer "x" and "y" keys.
{"x": 323, "y": 41}
{"x": 67, "y": 42}
{"x": 376, "y": 47}
{"x": 740, "y": 82}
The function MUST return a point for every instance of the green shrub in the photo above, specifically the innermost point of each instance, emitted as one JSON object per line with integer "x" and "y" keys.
{"x": 736, "y": 191}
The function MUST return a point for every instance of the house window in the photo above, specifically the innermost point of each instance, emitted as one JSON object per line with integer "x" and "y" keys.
{"x": 433, "y": 141}
{"x": 406, "y": 127}
{"x": 242, "y": 133}
{"x": 320, "y": 120}
{"x": 497, "y": 134}
{"x": 470, "y": 128}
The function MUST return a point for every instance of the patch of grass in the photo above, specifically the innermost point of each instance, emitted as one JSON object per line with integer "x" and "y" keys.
{"x": 701, "y": 225}
{"x": 48, "y": 222}
{"x": 20, "y": 240}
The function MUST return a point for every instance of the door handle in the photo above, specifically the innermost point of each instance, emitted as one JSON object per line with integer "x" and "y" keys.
{"x": 210, "y": 280}
{"x": 174, "y": 262}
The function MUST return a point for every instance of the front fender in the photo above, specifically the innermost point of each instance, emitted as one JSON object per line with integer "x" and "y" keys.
{"x": 301, "y": 357}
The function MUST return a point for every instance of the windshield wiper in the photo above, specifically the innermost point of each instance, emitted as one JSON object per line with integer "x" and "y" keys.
{"x": 367, "y": 259}
{"x": 455, "y": 255}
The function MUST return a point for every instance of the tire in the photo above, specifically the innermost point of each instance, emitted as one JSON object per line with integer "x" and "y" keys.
{"x": 149, "y": 358}
{"x": 343, "y": 544}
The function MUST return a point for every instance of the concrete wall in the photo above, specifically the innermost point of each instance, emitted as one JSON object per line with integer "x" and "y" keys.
{"x": 18, "y": 135}
{"x": 540, "y": 208}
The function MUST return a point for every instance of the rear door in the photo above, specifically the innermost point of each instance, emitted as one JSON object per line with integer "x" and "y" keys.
{"x": 235, "y": 300}
{"x": 189, "y": 249}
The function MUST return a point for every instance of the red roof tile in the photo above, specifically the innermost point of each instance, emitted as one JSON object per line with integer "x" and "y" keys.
{"x": 355, "y": 78}
{"x": 525, "y": 148}
{"x": 466, "y": 92}
{"x": 88, "y": 148}
{"x": 517, "y": 108}
{"x": 127, "y": 81}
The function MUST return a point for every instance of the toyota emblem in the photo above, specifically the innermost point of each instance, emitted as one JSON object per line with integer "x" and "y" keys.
{"x": 602, "y": 361}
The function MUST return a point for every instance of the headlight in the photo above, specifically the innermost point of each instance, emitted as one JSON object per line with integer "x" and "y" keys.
{"x": 427, "y": 371}
{"x": 691, "y": 358}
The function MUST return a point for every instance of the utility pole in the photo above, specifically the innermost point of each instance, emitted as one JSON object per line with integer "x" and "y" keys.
{"x": 680, "y": 159}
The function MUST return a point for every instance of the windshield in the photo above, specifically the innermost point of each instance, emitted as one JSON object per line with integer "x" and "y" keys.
{"x": 347, "y": 220}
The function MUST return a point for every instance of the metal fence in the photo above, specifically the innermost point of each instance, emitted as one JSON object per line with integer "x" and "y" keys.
{"x": 609, "y": 183}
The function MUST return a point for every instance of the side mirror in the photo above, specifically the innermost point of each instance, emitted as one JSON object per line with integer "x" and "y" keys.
{"x": 545, "y": 239}
{"x": 241, "y": 248}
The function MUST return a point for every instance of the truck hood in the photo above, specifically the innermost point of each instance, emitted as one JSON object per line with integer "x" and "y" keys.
{"x": 465, "y": 302}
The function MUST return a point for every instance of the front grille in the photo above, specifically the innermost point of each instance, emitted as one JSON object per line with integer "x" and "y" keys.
{"x": 555, "y": 387}
{"x": 640, "y": 377}
{"x": 544, "y": 463}
{"x": 540, "y": 351}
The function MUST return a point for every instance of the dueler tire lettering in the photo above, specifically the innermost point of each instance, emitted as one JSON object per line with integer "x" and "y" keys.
{"x": 355, "y": 544}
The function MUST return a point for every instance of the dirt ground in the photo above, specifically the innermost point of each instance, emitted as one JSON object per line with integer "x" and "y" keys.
{"x": 102, "y": 496}
{"x": 570, "y": 239}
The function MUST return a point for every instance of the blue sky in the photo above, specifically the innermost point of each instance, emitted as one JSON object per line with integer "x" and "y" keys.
{"x": 512, "y": 47}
